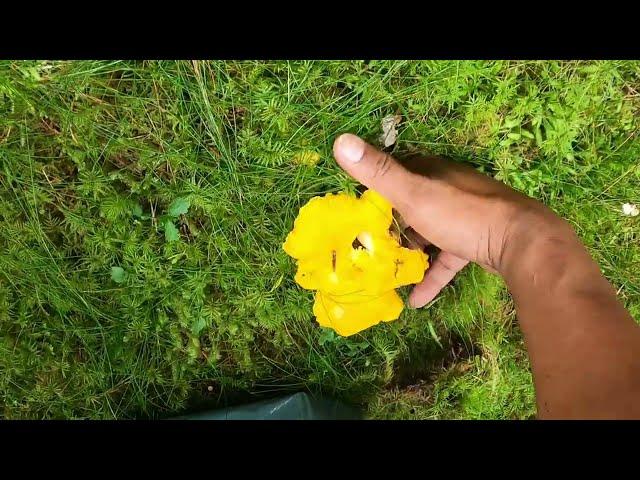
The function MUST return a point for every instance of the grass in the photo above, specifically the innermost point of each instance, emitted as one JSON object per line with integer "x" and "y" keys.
{"x": 143, "y": 206}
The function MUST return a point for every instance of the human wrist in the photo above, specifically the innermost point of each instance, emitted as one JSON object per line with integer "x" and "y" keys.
{"x": 538, "y": 242}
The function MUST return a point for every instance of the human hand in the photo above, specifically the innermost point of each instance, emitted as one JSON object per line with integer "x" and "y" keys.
{"x": 467, "y": 215}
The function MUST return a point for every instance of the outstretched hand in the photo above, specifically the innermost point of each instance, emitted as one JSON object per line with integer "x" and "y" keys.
{"x": 582, "y": 343}
{"x": 469, "y": 216}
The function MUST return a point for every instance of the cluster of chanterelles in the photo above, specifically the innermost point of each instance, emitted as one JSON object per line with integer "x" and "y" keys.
{"x": 346, "y": 252}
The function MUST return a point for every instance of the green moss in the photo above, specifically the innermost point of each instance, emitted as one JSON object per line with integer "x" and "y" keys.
{"x": 94, "y": 155}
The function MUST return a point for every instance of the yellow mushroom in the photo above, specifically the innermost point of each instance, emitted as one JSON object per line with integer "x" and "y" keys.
{"x": 346, "y": 252}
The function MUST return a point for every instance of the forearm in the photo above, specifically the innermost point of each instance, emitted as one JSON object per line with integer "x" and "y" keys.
{"x": 583, "y": 345}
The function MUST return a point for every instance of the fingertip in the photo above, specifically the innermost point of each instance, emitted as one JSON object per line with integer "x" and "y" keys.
{"x": 349, "y": 148}
{"x": 423, "y": 293}
{"x": 337, "y": 141}
{"x": 415, "y": 301}
{"x": 376, "y": 170}
{"x": 410, "y": 302}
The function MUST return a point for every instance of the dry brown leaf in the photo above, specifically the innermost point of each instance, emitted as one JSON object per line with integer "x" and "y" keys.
{"x": 389, "y": 131}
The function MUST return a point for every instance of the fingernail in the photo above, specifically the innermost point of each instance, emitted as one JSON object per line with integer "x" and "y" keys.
{"x": 351, "y": 147}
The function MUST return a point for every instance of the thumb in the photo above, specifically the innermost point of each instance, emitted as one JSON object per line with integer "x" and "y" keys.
{"x": 376, "y": 170}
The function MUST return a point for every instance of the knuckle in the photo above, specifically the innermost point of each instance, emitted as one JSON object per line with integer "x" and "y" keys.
{"x": 412, "y": 199}
{"x": 382, "y": 167}
{"x": 452, "y": 265}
